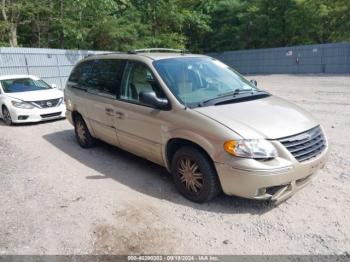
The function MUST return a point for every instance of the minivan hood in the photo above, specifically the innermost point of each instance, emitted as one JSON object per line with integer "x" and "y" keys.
{"x": 37, "y": 95}
{"x": 269, "y": 118}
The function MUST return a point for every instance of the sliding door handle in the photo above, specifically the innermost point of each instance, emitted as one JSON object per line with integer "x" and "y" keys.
{"x": 119, "y": 115}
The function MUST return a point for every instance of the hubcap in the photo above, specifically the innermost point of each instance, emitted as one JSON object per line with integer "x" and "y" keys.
{"x": 190, "y": 175}
{"x": 81, "y": 131}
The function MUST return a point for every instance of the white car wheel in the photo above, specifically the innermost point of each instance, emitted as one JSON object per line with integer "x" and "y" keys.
{"x": 6, "y": 116}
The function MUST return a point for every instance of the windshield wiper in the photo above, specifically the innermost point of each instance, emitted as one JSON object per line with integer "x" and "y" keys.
{"x": 235, "y": 92}
{"x": 230, "y": 95}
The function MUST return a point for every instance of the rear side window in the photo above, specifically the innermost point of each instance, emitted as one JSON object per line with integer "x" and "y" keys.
{"x": 81, "y": 74}
{"x": 105, "y": 76}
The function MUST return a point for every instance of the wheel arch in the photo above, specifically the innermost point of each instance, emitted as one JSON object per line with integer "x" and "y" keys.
{"x": 176, "y": 143}
{"x": 2, "y": 106}
{"x": 76, "y": 113}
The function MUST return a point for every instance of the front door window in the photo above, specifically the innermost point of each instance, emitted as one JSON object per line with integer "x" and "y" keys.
{"x": 137, "y": 78}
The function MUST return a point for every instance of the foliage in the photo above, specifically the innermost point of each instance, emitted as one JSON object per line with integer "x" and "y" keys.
{"x": 198, "y": 25}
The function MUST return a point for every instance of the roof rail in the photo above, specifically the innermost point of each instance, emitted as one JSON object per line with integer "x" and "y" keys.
{"x": 106, "y": 53}
{"x": 160, "y": 50}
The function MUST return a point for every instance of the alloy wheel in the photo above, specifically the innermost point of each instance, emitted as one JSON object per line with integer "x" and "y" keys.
{"x": 190, "y": 175}
{"x": 81, "y": 132}
{"x": 6, "y": 116}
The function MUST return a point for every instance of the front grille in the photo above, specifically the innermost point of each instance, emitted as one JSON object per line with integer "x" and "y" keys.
{"x": 47, "y": 103}
{"x": 51, "y": 115}
{"x": 305, "y": 145}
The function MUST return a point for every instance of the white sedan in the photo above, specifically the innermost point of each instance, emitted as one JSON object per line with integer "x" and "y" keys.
{"x": 26, "y": 98}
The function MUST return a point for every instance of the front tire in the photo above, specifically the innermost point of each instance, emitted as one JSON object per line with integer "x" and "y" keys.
{"x": 6, "y": 116}
{"x": 195, "y": 175}
{"x": 82, "y": 133}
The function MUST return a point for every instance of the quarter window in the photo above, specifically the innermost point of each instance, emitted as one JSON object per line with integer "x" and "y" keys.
{"x": 82, "y": 74}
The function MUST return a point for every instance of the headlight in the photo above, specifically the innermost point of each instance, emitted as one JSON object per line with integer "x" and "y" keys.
{"x": 251, "y": 148}
{"x": 61, "y": 101}
{"x": 22, "y": 105}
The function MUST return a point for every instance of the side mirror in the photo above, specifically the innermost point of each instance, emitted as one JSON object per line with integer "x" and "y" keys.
{"x": 150, "y": 98}
{"x": 254, "y": 82}
{"x": 53, "y": 85}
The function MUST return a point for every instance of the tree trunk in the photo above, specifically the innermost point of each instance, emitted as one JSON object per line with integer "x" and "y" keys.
{"x": 49, "y": 33}
{"x": 34, "y": 36}
{"x": 3, "y": 11}
{"x": 62, "y": 15}
{"x": 13, "y": 35}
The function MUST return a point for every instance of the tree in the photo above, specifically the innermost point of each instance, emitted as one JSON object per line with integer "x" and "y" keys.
{"x": 17, "y": 13}
{"x": 198, "y": 25}
{"x": 11, "y": 13}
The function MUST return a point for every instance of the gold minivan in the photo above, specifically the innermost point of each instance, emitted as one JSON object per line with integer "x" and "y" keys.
{"x": 211, "y": 128}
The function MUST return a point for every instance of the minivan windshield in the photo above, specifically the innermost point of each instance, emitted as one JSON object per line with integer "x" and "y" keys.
{"x": 194, "y": 80}
{"x": 23, "y": 85}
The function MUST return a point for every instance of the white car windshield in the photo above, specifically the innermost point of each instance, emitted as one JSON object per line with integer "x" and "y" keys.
{"x": 196, "y": 79}
{"x": 23, "y": 85}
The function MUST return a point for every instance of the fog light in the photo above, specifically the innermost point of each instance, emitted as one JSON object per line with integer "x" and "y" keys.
{"x": 261, "y": 192}
{"x": 22, "y": 117}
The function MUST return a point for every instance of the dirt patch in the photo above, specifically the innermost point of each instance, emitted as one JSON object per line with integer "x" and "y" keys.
{"x": 137, "y": 231}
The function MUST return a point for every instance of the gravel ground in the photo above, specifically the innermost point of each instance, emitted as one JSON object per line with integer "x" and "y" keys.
{"x": 56, "y": 198}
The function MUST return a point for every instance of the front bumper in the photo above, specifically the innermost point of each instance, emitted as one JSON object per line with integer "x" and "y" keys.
{"x": 272, "y": 183}
{"x": 69, "y": 116}
{"x": 37, "y": 114}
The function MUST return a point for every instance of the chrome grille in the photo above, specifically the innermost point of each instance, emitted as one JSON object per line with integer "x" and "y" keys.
{"x": 47, "y": 103}
{"x": 305, "y": 145}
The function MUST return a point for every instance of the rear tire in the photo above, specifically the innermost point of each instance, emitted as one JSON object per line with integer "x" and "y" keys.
{"x": 194, "y": 175}
{"x": 6, "y": 116}
{"x": 82, "y": 133}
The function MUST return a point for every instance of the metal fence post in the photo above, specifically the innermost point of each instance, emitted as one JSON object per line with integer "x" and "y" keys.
{"x": 26, "y": 61}
{"x": 323, "y": 65}
{"x": 348, "y": 58}
{"x": 59, "y": 72}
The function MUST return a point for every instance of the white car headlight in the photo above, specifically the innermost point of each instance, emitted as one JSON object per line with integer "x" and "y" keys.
{"x": 61, "y": 101}
{"x": 251, "y": 148}
{"x": 22, "y": 105}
